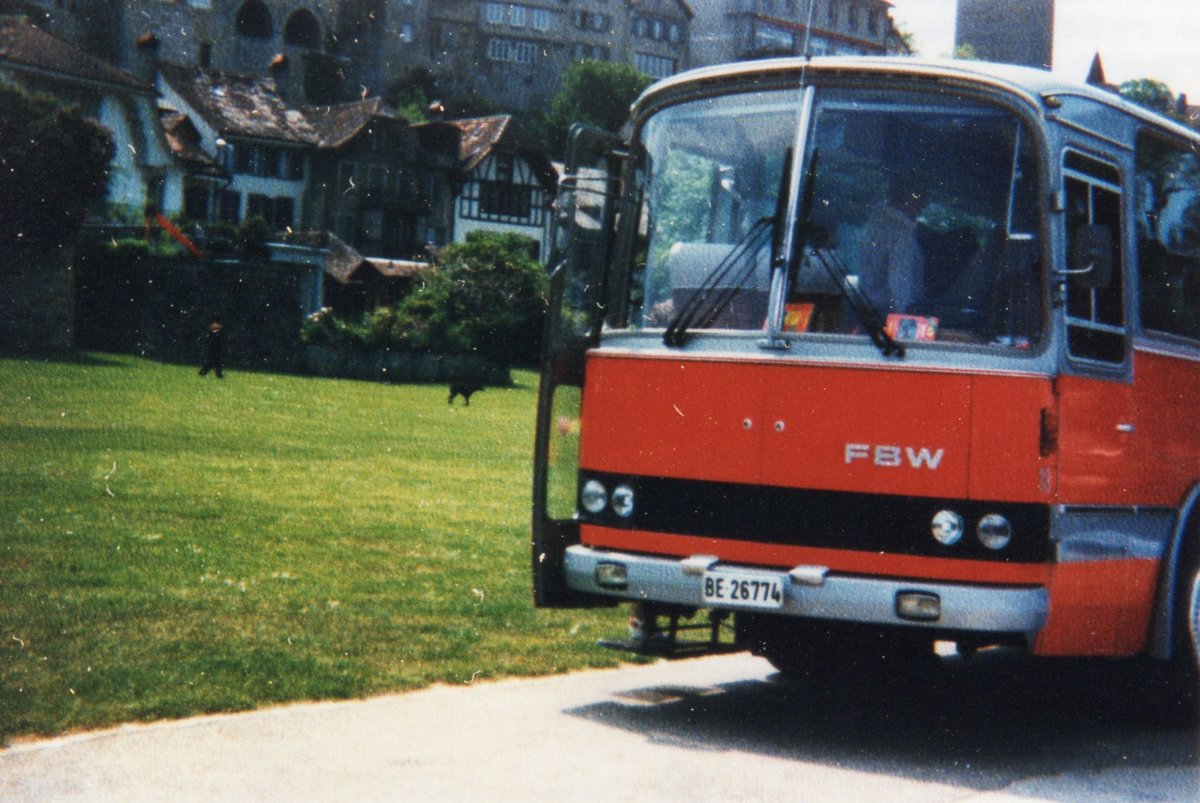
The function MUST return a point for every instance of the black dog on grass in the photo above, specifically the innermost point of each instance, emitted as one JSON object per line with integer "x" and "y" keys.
{"x": 464, "y": 389}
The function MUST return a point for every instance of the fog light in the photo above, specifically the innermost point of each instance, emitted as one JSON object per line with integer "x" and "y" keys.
{"x": 593, "y": 497}
{"x": 947, "y": 527}
{"x": 612, "y": 575}
{"x": 920, "y": 606}
{"x": 994, "y": 531}
{"x": 622, "y": 501}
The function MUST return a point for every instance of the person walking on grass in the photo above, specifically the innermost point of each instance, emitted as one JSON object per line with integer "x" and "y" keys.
{"x": 214, "y": 345}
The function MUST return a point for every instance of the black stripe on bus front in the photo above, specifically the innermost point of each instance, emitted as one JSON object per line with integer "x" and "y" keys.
{"x": 828, "y": 519}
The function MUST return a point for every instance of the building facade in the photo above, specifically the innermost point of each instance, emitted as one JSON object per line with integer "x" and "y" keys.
{"x": 743, "y": 30}
{"x": 515, "y": 53}
{"x": 1012, "y": 32}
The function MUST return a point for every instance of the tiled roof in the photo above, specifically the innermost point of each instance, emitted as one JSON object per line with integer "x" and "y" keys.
{"x": 24, "y": 46}
{"x": 184, "y": 141}
{"x": 477, "y": 137}
{"x": 240, "y": 105}
{"x": 337, "y": 124}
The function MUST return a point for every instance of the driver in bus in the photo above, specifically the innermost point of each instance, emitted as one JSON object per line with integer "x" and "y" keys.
{"x": 891, "y": 265}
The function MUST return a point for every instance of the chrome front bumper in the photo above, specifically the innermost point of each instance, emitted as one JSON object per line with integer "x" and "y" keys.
{"x": 812, "y": 592}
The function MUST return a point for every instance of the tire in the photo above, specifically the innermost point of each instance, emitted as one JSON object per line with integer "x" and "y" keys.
{"x": 1176, "y": 691}
{"x": 1185, "y": 653}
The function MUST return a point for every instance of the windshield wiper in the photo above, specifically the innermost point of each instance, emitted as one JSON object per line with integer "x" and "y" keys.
{"x": 817, "y": 243}
{"x": 723, "y": 283}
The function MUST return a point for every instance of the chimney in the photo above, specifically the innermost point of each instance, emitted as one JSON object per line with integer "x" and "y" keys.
{"x": 146, "y": 57}
{"x": 281, "y": 74}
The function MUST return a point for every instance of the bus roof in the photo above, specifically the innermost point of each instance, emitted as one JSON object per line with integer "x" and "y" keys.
{"x": 1033, "y": 85}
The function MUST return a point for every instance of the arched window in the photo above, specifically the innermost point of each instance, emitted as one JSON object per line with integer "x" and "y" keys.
{"x": 253, "y": 20}
{"x": 302, "y": 30}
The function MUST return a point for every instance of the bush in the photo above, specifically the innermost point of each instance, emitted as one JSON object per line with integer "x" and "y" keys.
{"x": 56, "y": 166}
{"x": 486, "y": 297}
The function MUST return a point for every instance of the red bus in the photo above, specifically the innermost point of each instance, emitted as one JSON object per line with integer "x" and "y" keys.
{"x": 849, "y": 356}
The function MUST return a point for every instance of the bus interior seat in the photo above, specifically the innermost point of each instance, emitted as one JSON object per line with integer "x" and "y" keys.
{"x": 691, "y": 266}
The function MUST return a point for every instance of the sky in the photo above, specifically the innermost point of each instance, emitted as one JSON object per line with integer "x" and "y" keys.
{"x": 1156, "y": 39}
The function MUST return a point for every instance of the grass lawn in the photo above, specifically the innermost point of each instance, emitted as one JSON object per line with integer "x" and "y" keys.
{"x": 172, "y": 545}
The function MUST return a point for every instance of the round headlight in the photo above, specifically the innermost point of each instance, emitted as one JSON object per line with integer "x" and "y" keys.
{"x": 994, "y": 531}
{"x": 947, "y": 527}
{"x": 593, "y": 497}
{"x": 622, "y": 501}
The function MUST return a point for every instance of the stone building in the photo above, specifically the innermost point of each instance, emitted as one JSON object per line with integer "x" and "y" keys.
{"x": 1012, "y": 32}
{"x": 515, "y": 53}
{"x": 742, "y": 30}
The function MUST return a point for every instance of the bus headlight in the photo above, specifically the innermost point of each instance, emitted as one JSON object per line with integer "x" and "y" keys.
{"x": 622, "y": 501}
{"x": 947, "y": 527}
{"x": 994, "y": 531}
{"x": 593, "y": 496}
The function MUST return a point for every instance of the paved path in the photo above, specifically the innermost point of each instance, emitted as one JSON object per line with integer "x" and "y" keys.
{"x": 722, "y": 729}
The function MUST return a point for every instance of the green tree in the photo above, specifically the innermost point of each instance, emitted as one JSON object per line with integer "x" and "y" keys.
{"x": 1150, "y": 94}
{"x": 966, "y": 52}
{"x": 411, "y": 92}
{"x": 597, "y": 93}
{"x": 55, "y": 166}
{"x": 486, "y": 296}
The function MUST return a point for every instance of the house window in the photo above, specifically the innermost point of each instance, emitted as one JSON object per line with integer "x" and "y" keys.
{"x": 493, "y": 13}
{"x": 525, "y": 52}
{"x": 277, "y": 212}
{"x": 284, "y": 213}
{"x": 503, "y": 167}
{"x": 503, "y": 200}
{"x": 541, "y": 19}
{"x": 372, "y": 225}
{"x": 584, "y": 52}
{"x": 499, "y": 50}
{"x": 230, "y": 207}
{"x": 406, "y": 33}
{"x": 302, "y": 30}
{"x": 654, "y": 66}
{"x": 516, "y": 16}
{"x": 295, "y": 165}
{"x": 206, "y": 54}
{"x": 196, "y": 198}
{"x": 253, "y": 20}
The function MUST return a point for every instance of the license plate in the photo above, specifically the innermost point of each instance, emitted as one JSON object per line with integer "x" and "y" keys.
{"x": 743, "y": 590}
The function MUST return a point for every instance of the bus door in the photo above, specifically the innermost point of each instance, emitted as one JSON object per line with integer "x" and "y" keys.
{"x": 1096, "y": 411}
{"x": 1093, "y": 586}
{"x": 586, "y": 212}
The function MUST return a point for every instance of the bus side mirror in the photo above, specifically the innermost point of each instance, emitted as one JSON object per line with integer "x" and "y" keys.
{"x": 1090, "y": 255}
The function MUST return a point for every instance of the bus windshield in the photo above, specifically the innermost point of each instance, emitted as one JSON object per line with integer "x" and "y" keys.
{"x": 918, "y": 211}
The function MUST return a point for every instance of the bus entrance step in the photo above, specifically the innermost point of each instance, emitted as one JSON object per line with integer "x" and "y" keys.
{"x": 665, "y": 647}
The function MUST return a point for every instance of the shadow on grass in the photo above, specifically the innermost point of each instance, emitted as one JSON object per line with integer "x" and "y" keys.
{"x": 88, "y": 358}
{"x": 971, "y": 723}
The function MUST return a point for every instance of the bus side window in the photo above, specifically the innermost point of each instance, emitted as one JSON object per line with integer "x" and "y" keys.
{"x": 1095, "y": 309}
{"x": 1168, "y": 237}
